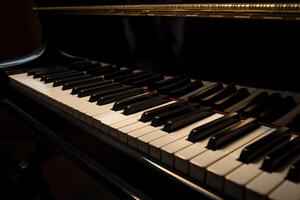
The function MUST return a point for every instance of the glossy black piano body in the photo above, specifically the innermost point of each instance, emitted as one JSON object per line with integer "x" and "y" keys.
{"x": 256, "y": 49}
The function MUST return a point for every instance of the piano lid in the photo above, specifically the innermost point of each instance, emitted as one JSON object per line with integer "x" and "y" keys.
{"x": 255, "y": 44}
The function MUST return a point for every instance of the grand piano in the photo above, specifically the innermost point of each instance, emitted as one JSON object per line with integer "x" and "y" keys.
{"x": 166, "y": 99}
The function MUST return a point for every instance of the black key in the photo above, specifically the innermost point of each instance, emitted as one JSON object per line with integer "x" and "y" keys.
{"x": 73, "y": 84}
{"x": 119, "y": 95}
{"x": 172, "y": 86}
{"x": 294, "y": 172}
{"x": 148, "y": 115}
{"x": 219, "y": 95}
{"x": 117, "y": 74}
{"x": 231, "y": 99}
{"x": 35, "y": 70}
{"x": 282, "y": 156}
{"x": 164, "y": 82}
{"x": 277, "y": 110}
{"x": 160, "y": 119}
{"x": 143, "y": 105}
{"x": 256, "y": 109}
{"x": 207, "y": 92}
{"x": 185, "y": 120}
{"x": 104, "y": 70}
{"x": 147, "y": 80}
{"x": 260, "y": 97}
{"x": 127, "y": 76}
{"x": 225, "y": 137}
{"x": 185, "y": 89}
{"x": 121, "y": 104}
{"x": 95, "y": 96}
{"x": 47, "y": 78}
{"x": 137, "y": 77}
{"x": 37, "y": 73}
{"x": 206, "y": 130}
{"x": 66, "y": 80}
{"x": 264, "y": 145}
{"x": 76, "y": 89}
{"x": 99, "y": 88}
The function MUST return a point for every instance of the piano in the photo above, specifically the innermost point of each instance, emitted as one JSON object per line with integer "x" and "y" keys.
{"x": 170, "y": 99}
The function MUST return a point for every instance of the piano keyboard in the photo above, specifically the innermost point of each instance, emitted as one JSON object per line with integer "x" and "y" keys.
{"x": 214, "y": 133}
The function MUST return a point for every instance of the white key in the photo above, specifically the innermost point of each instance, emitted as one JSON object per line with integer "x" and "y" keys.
{"x": 133, "y": 136}
{"x": 156, "y": 145}
{"x": 262, "y": 185}
{"x": 237, "y": 180}
{"x": 286, "y": 190}
{"x": 216, "y": 172}
{"x": 183, "y": 156}
{"x": 199, "y": 164}
{"x": 124, "y": 131}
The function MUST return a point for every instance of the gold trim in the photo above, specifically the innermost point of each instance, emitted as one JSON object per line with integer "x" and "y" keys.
{"x": 274, "y": 11}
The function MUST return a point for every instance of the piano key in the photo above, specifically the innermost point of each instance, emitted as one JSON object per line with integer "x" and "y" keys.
{"x": 168, "y": 151}
{"x": 206, "y": 130}
{"x": 185, "y": 89}
{"x": 71, "y": 85}
{"x": 286, "y": 190}
{"x": 263, "y": 146}
{"x": 281, "y": 156}
{"x": 199, "y": 163}
{"x": 88, "y": 90}
{"x": 294, "y": 172}
{"x": 133, "y": 136}
{"x": 263, "y": 184}
{"x": 117, "y": 74}
{"x": 219, "y": 95}
{"x": 50, "y": 70}
{"x": 39, "y": 69}
{"x": 278, "y": 110}
{"x": 164, "y": 82}
{"x": 156, "y": 146}
{"x": 185, "y": 119}
{"x": 116, "y": 96}
{"x": 255, "y": 96}
{"x": 58, "y": 76}
{"x": 232, "y": 99}
{"x": 160, "y": 119}
{"x": 137, "y": 77}
{"x": 76, "y": 89}
{"x": 181, "y": 82}
{"x": 73, "y": 78}
{"x": 257, "y": 108}
{"x": 146, "y": 80}
{"x": 147, "y": 116}
{"x": 143, "y": 105}
{"x": 205, "y": 86}
{"x": 216, "y": 172}
{"x": 105, "y": 90}
{"x": 131, "y": 75}
{"x": 239, "y": 130}
{"x": 206, "y": 92}
{"x": 123, "y": 103}
{"x": 104, "y": 70}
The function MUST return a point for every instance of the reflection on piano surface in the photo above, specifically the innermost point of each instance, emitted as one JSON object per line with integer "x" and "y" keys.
{"x": 219, "y": 131}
